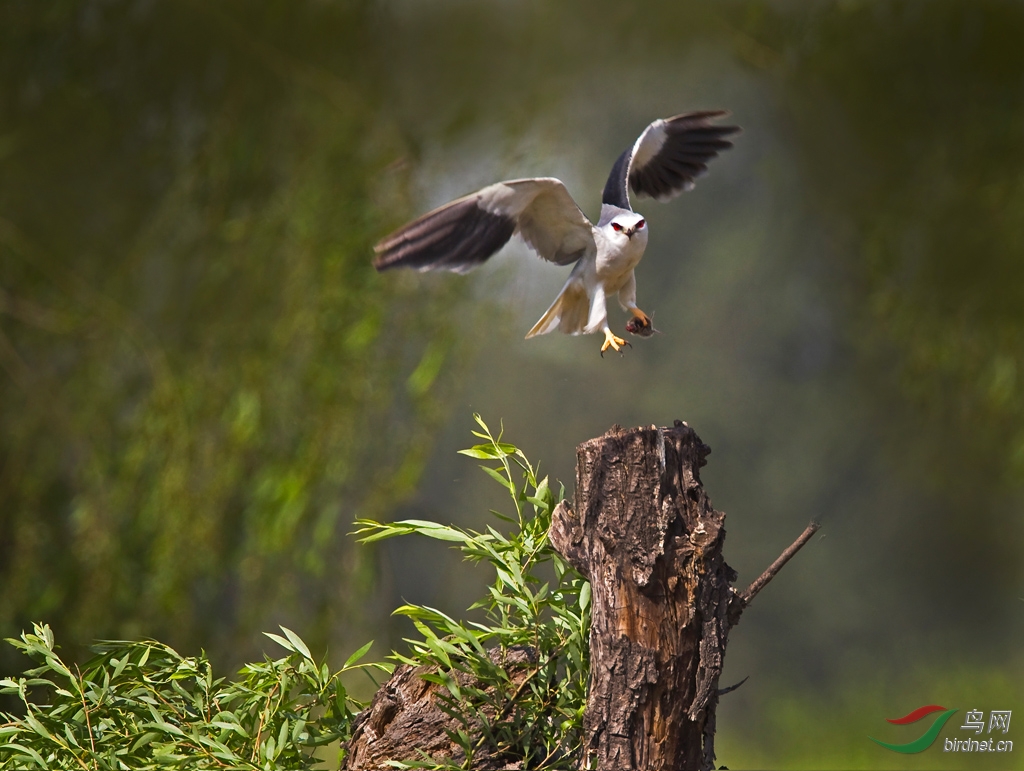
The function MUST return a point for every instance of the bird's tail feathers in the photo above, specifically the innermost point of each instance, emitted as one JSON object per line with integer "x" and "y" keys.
{"x": 569, "y": 313}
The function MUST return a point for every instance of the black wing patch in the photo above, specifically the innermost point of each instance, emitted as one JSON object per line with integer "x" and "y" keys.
{"x": 615, "y": 188}
{"x": 687, "y": 144}
{"x": 692, "y": 142}
{"x": 455, "y": 237}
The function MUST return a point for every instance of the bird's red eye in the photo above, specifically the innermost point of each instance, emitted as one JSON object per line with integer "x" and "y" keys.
{"x": 616, "y": 226}
{"x": 640, "y": 225}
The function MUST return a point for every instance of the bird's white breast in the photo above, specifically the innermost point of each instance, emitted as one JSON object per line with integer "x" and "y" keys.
{"x": 617, "y": 255}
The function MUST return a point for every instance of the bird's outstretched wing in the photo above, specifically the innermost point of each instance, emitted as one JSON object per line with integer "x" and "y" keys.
{"x": 667, "y": 157}
{"x": 466, "y": 232}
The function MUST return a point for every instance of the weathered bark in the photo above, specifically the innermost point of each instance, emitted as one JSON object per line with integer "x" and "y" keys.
{"x": 645, "y": 535}
{"x": 405, "y": 721}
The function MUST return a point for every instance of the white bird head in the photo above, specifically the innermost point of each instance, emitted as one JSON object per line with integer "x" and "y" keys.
{"x": 626, "y": 225}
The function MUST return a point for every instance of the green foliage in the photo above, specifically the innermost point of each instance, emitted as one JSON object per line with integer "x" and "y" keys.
{"x": 533, "y": 711}
{"x": 198, "y": 362}
{"x": 141, "y": 705}
{"x": 927, "y": 176}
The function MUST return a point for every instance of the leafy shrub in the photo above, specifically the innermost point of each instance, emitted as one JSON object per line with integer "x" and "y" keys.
{"x": 141, "y": 705}
{"x": 537, "y": 719}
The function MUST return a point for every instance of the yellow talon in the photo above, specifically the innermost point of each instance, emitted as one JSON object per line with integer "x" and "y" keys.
{"x": 611, "y": 341}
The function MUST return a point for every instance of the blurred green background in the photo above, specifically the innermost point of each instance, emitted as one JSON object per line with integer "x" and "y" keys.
{"x": 203, "y": 381}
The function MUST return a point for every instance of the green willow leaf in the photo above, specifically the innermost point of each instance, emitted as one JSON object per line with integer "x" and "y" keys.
{"x": 357, "y": 655}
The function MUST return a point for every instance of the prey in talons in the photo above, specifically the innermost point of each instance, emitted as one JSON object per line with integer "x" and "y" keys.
{"x": 641, "y": 324}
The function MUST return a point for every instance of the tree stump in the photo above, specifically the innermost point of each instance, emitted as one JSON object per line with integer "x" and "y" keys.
{"x": 644, "y": 533}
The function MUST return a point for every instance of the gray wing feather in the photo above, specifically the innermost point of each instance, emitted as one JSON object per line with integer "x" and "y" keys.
{"x": 552, "y": 224}
{"x": 466, "y": 232}
{"x": 458, "y": 236}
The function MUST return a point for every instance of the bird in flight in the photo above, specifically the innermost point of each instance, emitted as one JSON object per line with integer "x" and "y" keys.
{"x": 664, "y": 161}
